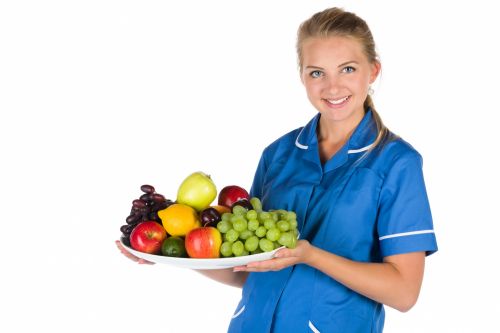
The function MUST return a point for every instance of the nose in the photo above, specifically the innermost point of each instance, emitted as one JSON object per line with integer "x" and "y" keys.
{"x": 332, "y": 85}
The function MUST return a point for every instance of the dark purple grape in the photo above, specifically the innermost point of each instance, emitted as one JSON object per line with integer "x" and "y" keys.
{"x": 133, "y": 218}
{"x": 139, "y": 203}
{"x": 245, "y": 203}
{"x": 210, "y": 217}
{"x": 127, "y": 229}
{"x": 146, "y": 197}
{"x": 147, "y": 189}
{"x": 125, "y": 240}
{"x": 161, "y": 205}
{"x": 157, "y": 197}
{"x": 153, "y": 216}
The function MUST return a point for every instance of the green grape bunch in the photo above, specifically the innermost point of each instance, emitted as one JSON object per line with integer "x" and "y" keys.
{"x": 253, "y": 231}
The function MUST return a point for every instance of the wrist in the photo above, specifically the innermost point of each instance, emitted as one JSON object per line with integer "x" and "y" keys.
{"x": 310, "y": 254}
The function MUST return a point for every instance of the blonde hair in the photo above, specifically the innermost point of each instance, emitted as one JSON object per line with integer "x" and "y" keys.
{"x": 337, "y": 22}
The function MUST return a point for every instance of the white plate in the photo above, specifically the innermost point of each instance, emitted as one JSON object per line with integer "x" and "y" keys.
{"x": 195, "y": 263}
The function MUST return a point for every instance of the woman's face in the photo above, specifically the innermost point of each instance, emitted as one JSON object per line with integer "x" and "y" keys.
{"x": 337, "y": 75}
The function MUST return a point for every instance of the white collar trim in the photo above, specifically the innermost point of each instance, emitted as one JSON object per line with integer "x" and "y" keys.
{"x": 354, "y": 151}
{"x": 297, "y": 143}
{"x": 350, "y": 151}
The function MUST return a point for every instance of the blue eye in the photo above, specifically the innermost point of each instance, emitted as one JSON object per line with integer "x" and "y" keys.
{"x": 315, "y": 74}
{"x": 348, "y": 69}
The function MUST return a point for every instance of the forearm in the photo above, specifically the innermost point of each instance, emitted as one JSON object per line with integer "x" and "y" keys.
{"x": 226, "y": 276}
{"x": 382, "y": 282}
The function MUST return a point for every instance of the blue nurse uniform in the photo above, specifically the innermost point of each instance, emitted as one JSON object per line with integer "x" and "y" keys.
{"x": 358, "y": 205}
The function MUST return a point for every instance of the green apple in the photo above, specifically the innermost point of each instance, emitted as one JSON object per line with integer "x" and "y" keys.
{"x": 197, "y": 190}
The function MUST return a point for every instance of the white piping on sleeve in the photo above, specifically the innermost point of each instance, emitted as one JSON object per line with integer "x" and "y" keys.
{"x": 297, "y": 143}
{"x": 239, "y": 312}
{"x": 402, "y": 234}
{"x": 314, "y": 329}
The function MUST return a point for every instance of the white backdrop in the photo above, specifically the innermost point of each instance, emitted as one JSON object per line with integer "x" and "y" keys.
{"x": 100, "y": 97}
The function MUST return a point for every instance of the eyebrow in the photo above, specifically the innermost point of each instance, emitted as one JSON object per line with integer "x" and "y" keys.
{"x": 341, "y": 65}
{"x": 348, "y": 62}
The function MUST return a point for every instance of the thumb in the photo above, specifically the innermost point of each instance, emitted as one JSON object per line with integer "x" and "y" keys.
{"x": 283, "y": 253}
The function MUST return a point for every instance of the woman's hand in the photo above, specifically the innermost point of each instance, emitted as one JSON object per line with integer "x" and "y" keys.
{"x": 131, "y": 256}
{"x": 282, "y": 259}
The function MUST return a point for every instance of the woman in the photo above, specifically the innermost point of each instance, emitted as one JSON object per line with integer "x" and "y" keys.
{"x": 359, "y": 194}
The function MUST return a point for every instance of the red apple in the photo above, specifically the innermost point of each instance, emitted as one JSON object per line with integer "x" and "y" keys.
{"x": 230, "y": 194}
{"x": 203, "y": 242}
{"x": 147, "y": 237}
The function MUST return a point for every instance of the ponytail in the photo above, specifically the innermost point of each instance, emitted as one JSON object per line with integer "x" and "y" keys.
{"x": 382, "y": 130}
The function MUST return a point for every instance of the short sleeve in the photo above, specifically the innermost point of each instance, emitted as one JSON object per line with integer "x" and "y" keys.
{"x": 404, "y": 221}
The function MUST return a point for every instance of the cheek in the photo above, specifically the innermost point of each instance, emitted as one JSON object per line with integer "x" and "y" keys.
{"x": 313, "y": 88}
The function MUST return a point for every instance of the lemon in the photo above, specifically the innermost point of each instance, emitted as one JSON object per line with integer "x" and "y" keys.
{"x": 179, "y": 219}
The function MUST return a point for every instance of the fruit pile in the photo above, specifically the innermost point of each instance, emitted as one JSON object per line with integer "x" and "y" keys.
{"x": 192, "y": 227}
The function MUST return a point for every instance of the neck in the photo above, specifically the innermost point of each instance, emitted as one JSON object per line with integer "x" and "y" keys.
{"x": 336, "y": 132}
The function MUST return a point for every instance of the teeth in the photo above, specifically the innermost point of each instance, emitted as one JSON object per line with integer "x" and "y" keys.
{"x": 338, "y": 101}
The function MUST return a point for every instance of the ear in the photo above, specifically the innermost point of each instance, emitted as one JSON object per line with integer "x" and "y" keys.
{"x": 375, "y": 70}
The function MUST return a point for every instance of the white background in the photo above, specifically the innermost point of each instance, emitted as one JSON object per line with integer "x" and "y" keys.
{"x": 100, "y": 97}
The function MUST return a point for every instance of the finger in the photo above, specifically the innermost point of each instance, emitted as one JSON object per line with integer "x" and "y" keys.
{"x": 144, "y": 262}
{"x": 119, "y": 245}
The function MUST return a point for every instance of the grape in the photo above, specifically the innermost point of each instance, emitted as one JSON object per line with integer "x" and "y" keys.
{"x": 245, "y": 234}
{"x": 240, "y": 224}
{"x": 224, "y": 226}
{"x": 127, "y": 228}
{"x": 266, "y": 245}
{"x": 252, "y": 225}
{"x": 261, "y": 231}
{"x": 232, "y": 235}
{"x": 269, "y": 223}
{"x": 275, "y": 216}
{"x": 281, "y": 214}
{"x": 293, "y": 224}
{"x": 252, "y": 243}
{"x": 264, "y": 216}
{"x": 226, "y": 216}
{"x": 291, "y": 216}
{"x": 133, "y": 218}
{"x": 146, "y": 197}
{"x": 125, "y": 240}
{"x": 238, "y": 248}
{"x": 124, "y": 229}
{"x": 286, "y": 239}
{"x": 153, "y": 216}
{"x": 157, "y": 197}
{"x": 273, "y": 234}
{"x": 251, "y": 215}
{"x": 239, "y": 210}
{"x": 138, "y": 203}
{"x": 257, "y": 205}
{"x": 147, "y": 189}
{"x": 283, "y": 225}
{"x": 226, "y": 249}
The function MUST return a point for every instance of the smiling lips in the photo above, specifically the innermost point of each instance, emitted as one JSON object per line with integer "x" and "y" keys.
{"x": 337, "y": 102}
